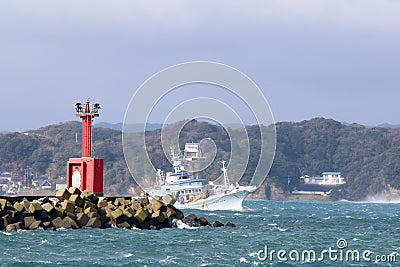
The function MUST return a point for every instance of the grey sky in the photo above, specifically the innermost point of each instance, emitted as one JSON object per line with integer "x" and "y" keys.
{"x": 335, "y": 59}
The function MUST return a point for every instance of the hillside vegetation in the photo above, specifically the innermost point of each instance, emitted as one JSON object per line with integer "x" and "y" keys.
{"x": 367, "y": 157}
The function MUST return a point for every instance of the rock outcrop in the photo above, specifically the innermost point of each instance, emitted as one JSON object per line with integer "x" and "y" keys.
{"x": 73, "y": 209}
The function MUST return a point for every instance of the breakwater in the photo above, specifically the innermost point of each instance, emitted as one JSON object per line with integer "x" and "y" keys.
{"x": 75, "y": 209}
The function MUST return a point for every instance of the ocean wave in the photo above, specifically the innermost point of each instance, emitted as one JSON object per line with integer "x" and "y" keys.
{"x": 182, "y": 225}
{"x": 168, "y": 259}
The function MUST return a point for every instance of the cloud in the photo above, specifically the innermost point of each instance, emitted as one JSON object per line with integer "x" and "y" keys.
{"x": 61, "y": 49}
{"x": 175, "y": 16}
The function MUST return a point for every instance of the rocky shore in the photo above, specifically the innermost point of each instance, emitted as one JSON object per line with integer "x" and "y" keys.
{"x": 75, "y": 209}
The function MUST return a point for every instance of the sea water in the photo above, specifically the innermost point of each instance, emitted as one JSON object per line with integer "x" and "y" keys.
{"x": 271, "y": 233}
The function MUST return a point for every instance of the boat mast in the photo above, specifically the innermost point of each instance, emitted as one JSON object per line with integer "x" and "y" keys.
{"x": 160, "y": 177}
{"x": 224, "y": 170}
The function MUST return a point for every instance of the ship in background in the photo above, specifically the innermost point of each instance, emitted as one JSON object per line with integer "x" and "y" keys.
{"x": 190, "y": 192}
{"x": 319, "y": 185}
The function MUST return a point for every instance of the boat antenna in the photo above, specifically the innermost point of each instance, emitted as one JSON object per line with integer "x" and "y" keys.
{"x": 225, "y": 172}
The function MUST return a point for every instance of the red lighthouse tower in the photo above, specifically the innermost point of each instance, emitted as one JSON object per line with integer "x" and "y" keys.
{"x": 86, "y": 172}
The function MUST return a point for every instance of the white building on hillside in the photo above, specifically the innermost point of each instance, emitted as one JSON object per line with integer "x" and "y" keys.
{"x": 192, "y": 151}
{"x": 328, "y": 178}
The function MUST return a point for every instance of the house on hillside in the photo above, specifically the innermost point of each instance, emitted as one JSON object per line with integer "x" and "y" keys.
{"x": 328, "y": 178}
{"x": 192, "y": 151}
{"x": 4, "y": 184}
{"x": 42, "y": 183}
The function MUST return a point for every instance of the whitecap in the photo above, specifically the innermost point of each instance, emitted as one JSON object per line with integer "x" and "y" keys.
{"x": 348, "y": 216}
{"x": 44, "y": 241}
{"x": 282, "y": 229}
{"x": 45, "y": 262}
{"x": 327, "y": 218}
{"x": 168, "y": 259}
{"x": 243, "y": 259}
{"x": 272, "y": 224}
{"x": 358, "y": 234}
{"x": 195, "y": 240}
{"x": 6, "y": 233}
{"x": 127, "y": 255}
{"x": 182, "y": 225}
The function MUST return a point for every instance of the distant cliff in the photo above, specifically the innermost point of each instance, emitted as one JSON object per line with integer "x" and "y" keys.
{"x": 367, "y": 157}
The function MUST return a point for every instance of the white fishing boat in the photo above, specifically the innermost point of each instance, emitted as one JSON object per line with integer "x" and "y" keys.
{"x": 192, "y": 194}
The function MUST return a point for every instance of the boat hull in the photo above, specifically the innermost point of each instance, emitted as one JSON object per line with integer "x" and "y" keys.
{"x": 230, "y": 201}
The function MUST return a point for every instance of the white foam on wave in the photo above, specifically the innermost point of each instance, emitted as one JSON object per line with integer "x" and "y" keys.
{"x": 243, "y": 260}
{"x": 6, "y": 233}
{"x": 127, "y": 255}
{"x": 45, "y": 262}
{"x": 195, "y": 240}
{"x": 378, "y": 199}
{"x": 168, "y": 259}
{"x": 182, "y": 225}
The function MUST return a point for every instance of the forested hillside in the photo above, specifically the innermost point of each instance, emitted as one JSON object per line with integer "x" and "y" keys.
{"x": 367, "y": 157}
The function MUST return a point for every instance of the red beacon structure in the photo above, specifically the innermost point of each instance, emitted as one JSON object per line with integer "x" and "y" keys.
{"x": 86, "y": 172}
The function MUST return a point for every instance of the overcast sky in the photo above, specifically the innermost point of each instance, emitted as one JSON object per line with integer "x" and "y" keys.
{"x": 334, "y": 59}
